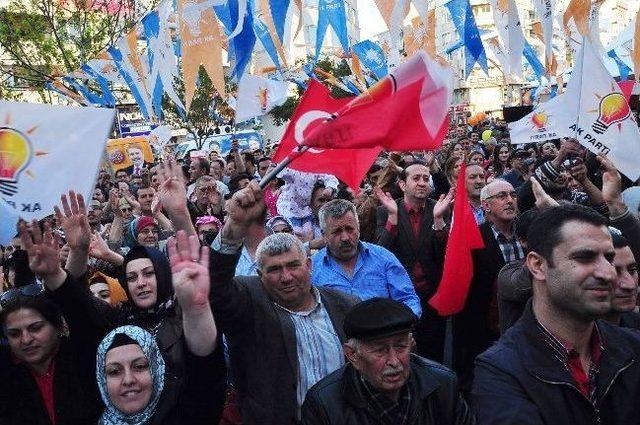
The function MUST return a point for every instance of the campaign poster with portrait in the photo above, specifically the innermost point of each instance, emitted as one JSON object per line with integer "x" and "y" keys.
{"x": 129, "y": 152}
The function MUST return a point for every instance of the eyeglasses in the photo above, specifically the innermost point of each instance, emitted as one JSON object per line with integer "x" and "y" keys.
{"x": 126, "y": 210}
{"x": 32, "y": 290}
{"x": 503, "y": 195}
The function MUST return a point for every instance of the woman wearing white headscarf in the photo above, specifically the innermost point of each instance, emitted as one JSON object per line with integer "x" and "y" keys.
{"x": 130, "y": 368}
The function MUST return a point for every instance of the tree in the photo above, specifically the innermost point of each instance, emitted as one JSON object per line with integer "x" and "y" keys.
{"x": 44, "y": 39}
{"x": 283, "y": 113}
{"x": 208, "y": 110}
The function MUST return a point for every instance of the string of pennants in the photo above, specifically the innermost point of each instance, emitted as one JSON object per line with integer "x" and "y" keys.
{"x": 182, "y": 35}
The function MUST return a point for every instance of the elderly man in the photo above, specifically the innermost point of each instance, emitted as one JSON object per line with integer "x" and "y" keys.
{"x": 197, "y": 168}
{"x": 284, "y": 334}
{"x": 356, "y": 267}
{"x": 476, "y": 326}
{"x": 560, "y": 364}
{"x": 384, "y": 383}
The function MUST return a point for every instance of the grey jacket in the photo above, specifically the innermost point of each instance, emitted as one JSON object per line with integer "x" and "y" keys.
{"x": 262, "y": 341}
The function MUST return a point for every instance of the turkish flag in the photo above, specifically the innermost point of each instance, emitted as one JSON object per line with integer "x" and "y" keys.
{"x": 316, "y": 105}
{"x": 458, "y": 262}
{"x": 405, "y": 111}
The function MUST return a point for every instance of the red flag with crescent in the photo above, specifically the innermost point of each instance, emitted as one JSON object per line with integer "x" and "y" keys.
{"x": 316, "y": 106}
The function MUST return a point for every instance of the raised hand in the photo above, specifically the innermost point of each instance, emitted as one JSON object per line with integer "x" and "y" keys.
{"x": 246, "y": 205}
{"x": 611, "y": 182}
{"x": 74, "y": 221}
{"x": 386, "y": 200}
{"x": 543, "y": 200}
{"x": 156, "y": 205}
{"x": 172, "y": 193}
{"x": 443, "y": 204}
{"x": 98, "y": 248}
{"x": 190, "y": 271}
{"x": 43, "y": 249}
{"x": 114, "y": 203}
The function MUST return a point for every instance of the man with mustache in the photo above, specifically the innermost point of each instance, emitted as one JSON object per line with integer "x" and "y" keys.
{"x": 383, "y": 383}
{"x": 561, "y": 364}
{"x": 476, "y": 326}
{"x": 355, "y": 267}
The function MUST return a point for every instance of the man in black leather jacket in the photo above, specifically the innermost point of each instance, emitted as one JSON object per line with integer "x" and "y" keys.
{"x": 384, "y": 383}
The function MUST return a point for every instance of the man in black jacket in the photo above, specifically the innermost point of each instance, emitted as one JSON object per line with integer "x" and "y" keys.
{"x": 559, "y": 364}
{"x": 414, "y": 229}
{"x": 284, "y": 334}
{"x": 383, "y": 383}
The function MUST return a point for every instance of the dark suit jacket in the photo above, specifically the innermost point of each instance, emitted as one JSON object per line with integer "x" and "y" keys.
{"x": 262, "y": 341}
{"x": 475, "y": 327}
{"x": 146, "y": 165}
{"x": 428, "y": 249}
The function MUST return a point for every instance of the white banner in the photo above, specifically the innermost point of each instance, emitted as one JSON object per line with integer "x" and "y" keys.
{"x": 605, "y": 123}
{"x": 46, "y": 151}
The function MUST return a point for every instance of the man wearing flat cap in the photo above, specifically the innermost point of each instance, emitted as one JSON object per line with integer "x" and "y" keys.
{"x": 383, "y": 383}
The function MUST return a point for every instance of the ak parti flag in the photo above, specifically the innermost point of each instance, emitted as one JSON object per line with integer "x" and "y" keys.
{"x": 317, "y": 105}
{"x": 405, "y": 111}
{"x": 458, "y": 263}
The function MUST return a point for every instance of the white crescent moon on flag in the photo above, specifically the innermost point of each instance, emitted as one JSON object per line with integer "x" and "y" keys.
{"x": 303, "y": 122}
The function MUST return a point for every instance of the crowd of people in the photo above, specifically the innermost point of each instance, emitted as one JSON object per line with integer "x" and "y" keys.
{"x": 184, "y": 293}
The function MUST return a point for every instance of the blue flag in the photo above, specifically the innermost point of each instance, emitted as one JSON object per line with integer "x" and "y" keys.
{"x": 622, "y": 67}
{"x": 533, "y": 60}
{"x": 332, "y": 12}
{"x": 151, "y": 24}
{"x": 465, "y": 24}
{"x": 86, "y": 92}
{"x": 241, "y": 46}
{"x": 279, "y": 14}
{"x": 107, "y": 94}
{"x": 372, "y": 57}
{"x": 262, "y": 32}
{"x": 130, "y": 77}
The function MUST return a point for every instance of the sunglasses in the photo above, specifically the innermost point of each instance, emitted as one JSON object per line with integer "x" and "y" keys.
{"x": 32, "y": 290}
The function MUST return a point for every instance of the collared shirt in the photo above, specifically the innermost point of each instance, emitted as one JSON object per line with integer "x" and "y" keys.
{"x": 377, "y": 273}
{"x": 391, "y": 412}
{"x": 570, "y": 358}
{"x": 318, "y": 346}
{"x": 478, "y": 214}
{"x": 510, "y": 247}
{"x": 246, "y": 266}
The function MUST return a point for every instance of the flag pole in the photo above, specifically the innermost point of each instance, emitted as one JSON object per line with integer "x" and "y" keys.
{"x": 273, "y": 173}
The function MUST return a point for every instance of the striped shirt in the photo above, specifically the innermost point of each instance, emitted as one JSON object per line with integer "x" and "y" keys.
{"x": 318, "y": 346}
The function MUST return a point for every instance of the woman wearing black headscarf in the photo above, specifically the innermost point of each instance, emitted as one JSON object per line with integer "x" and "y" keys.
{"x": 131, "y": 372}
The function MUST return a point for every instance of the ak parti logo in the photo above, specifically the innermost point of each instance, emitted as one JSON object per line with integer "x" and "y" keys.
{"x": 612, "y": 109}
{"x": 16, "y": 152}
{"x": 539, "y": 121}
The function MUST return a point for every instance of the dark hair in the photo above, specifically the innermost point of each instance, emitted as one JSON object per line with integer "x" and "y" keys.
{"x": 619, "y": 241}
{"x": 47, "y": 309}
{"x": 263, "y": 159}
{"x": 249, "y": 157}
{"x": 203, "y": 165}
{"x": 544, "y": 232}
{"x": 498, "y": 167}
{"x": 234, "y": 183}
{"x": 403, "y": 173}
{"x": 219, "y": 161}
{"x": 522, "y": 223}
